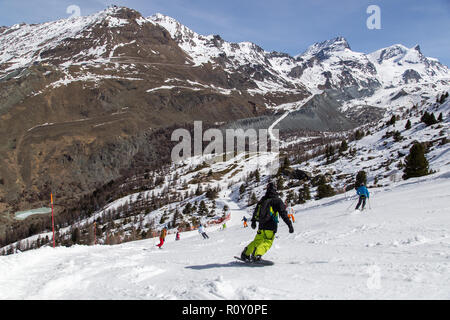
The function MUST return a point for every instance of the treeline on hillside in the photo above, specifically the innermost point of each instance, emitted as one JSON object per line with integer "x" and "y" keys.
{"x": 141, "y": 174}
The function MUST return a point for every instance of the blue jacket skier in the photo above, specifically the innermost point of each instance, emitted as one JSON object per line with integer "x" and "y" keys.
{"x": 363, "y": 194}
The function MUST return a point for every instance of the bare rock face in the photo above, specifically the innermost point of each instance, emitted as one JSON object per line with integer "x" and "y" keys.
{"x": 80, "y": 110}
{"x": 411, "y": 76}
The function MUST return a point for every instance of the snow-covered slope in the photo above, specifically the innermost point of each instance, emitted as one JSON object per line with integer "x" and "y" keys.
{"x": 382, "y": 156}
{"x": 398, "y": 249}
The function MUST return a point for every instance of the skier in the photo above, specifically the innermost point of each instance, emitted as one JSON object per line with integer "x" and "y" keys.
{"x": 291, "y": 214}
{"x": 363, "y": 194}
{"x": 245, "y": 222}
{"x": 177, "y": 237}
{"x": 266, "y": 212}
{"x": 224, "y": 226}
{"x": 162, "y": 237}
{"x": 202, "y": 232}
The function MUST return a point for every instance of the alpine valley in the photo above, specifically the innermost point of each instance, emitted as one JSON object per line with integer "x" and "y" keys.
{"x": 88, "y": 105}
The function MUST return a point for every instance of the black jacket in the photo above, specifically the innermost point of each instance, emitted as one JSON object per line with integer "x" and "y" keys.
{"x": 277, "y": 205}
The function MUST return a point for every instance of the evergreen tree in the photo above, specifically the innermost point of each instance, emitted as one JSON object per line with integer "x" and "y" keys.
{"x": 359, "y": 135}
{"x": 187, "y": 209}
{"x": 329, "y": 153}
{"x": 202, "y": 209}
{"x": 408, "y": 125}
{"x": 428, "y": 119}
{"x": 443, "y": 97}
{"x": 290, "y": 196}
{"x": 242, "y": 189}
{"x": 343, "y": 147}
{"x": 416, "y": 164}
{"x": 280, "y": 183}
{"x": 252, "y": 200}
{"x": 392, "y": 121}
{"x": 300, "y": 199}
{"x": 440, "y": 118}
{"x": 397, "y": 136}
{"x": 361, "y": 177}
{"x": 318, "y": 180}
{"x": 283, "y": 167}
{"x": 304, "y": 194}
{"x": 175, "y": 218}
{"x": 324, "y": 191}
{"x": 212, "y": 193}
{"x": 286, "y": 163}
{"x": 76, "y": 236}
{"x": 199, "y": 191}
{"x": 257, "y": 176}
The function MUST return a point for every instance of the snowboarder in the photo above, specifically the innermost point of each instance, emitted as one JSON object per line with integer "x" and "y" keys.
{"x": 224, "y": 226}
{"x": 202, "y": 232}
{"x": 245, "y": 222}
{"x": 266, "y": 212}
{"x": 162, "y": 237}
{"x": 363, "y": 194}
{"x": 177, "y": 237}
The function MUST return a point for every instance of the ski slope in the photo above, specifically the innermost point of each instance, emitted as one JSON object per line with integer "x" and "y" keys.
{"x": 398, "y": 249}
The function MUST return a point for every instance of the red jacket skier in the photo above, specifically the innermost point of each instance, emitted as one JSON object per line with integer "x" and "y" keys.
{"x": 162, "y": 237}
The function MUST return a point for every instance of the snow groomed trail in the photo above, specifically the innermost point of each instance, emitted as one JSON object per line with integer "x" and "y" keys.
{"x": 397, "y": 250}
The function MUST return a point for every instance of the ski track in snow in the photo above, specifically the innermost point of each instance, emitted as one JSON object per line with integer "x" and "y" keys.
{"x": 403, "y": 241}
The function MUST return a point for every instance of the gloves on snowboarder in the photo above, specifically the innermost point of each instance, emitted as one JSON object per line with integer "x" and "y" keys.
{"x": 253, "y": 224}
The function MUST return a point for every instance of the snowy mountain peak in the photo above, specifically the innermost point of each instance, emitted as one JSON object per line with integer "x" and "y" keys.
{"x": 333, "y": 45}
{"x": 121, "y": 12}
{"x": 206, "y": 49}
{"x": 395, "y": 53}
{"x": 398, "y": 64}
{"x": 178, "y": 31}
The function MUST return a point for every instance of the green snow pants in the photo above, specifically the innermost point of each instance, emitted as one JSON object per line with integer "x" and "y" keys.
{"x": 262, "y": 243}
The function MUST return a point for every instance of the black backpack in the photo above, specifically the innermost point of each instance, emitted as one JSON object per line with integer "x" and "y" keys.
{"x": 266, "y": 212}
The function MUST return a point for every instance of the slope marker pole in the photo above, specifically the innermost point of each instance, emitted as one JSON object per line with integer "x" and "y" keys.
{"x": 53, "y": 220}
{"x": 351, "y": 204}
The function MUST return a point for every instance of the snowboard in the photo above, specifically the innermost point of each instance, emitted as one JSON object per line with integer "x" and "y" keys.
{"x": 256, "y": 263}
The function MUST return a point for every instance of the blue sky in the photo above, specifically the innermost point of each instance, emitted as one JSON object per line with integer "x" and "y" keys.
{"x": 283, "y": 25}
